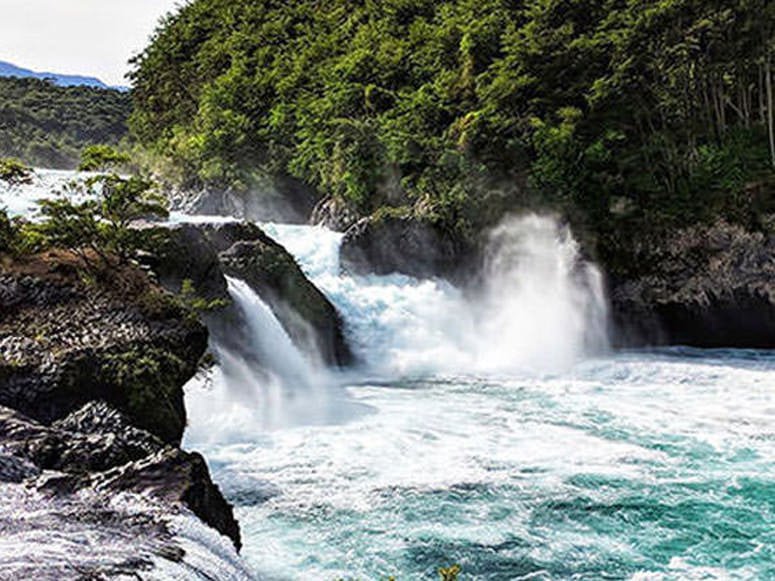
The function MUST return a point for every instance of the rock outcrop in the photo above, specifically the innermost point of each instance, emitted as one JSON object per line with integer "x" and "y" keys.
{"x": 65, "y": 341}
{"x": 204, "y": 253}
{"x": 407, "y": 245}
{"x": 706, "y": 286}
{"x": 91, "y": 393}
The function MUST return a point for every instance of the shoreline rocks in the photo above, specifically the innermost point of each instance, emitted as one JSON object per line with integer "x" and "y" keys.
{"x": 705, "y": 286}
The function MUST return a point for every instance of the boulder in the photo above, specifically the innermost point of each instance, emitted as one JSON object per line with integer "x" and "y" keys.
{"x": 406, "y": 245}
{"x": 174, "y": 477}
{"x": 94, "y": 438}
{"x": 335, "y": 214}
{"x": 705, "y": 286}
{"x": 185, "y": 253}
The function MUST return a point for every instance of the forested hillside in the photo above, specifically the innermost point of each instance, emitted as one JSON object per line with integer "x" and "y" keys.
{"x": 624, "y": 113}
{"x": 46, "y": 125}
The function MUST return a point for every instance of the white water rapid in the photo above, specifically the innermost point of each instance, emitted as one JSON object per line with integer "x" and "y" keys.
{"x": 495, "y": 429}
{"x": 541, "y": 308}
{"x": 490, "y": 428}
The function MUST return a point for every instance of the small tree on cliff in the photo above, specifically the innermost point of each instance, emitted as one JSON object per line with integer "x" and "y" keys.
{"x": 102, "y": 225}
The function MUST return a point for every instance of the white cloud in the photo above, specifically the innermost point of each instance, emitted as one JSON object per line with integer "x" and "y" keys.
{"x": 88, "y": 37}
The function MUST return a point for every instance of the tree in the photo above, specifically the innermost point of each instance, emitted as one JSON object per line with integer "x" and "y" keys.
{"x": 102, "y": 226}
{"x": 102, "y": 158}
{"x": 14, "y": 172}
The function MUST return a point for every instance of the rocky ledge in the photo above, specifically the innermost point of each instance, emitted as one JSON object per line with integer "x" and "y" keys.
{"x": 706, "y": 286}
{"x": 92, "y": 369}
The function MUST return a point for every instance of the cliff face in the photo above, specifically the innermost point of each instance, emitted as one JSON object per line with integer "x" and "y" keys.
{"x": 65, "y": 341}
{"x": 92, "y": 369}
{"x": 706, "y": 286}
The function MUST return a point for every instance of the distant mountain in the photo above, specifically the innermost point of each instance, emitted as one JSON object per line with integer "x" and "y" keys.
{"x": 11, "y": 70}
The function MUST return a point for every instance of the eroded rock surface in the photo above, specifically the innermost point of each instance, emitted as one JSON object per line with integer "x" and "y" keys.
{"x": 707, "y": 286}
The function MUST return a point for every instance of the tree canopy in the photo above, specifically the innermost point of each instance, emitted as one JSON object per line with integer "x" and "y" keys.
{"x": 47, "y": 126}
{"x": 656, "y": 111}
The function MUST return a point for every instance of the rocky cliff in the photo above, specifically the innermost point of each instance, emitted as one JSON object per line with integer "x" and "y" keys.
{"x": 706, "y": 286}
{"x": 92, "y": 369}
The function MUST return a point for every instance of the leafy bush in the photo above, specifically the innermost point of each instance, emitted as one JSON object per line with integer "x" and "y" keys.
{"x": 102, "y": 158}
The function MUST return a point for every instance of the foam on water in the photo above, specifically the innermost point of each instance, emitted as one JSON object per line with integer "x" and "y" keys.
{"x": 498, "y": 441}
{"x": 622, "y": 467}
{"x": 499, "y": 434}
{"x": 541, "y": 307}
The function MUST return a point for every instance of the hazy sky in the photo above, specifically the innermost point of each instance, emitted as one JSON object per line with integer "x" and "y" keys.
{"x": 87, "y": 37}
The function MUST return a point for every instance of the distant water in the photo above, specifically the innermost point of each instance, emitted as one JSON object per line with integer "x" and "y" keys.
{"x": 496, "y": 431}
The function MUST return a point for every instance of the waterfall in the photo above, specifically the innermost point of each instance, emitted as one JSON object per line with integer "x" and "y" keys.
{"x": 541, "y": 306}
{"x": 262, "y": 380}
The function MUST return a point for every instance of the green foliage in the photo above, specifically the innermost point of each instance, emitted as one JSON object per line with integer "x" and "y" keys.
{"x": 101, "y": 225}
{"x": 660, "y": 107}
{"x": 102, "y": 158}
{"x": 47, "y": 126}
{"x": 196, "y": 304}
{"x": 14, "y": 172}
{"x": 150, "y": 380}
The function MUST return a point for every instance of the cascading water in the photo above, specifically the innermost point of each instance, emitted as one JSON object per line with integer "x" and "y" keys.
{"x": 263, "y": 381}
{"x": 540, "y": 309}
{"x": 491, "y": 429}
{"x": 503, "y": 436}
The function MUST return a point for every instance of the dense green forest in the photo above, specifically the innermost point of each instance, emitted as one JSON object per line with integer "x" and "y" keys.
{"x": 625, "y": 114}
{"x": 47, "y": 126}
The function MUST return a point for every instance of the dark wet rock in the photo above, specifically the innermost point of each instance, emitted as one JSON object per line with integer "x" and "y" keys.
{"x": 310, "y": 319}
{"x": 205, "y": 253}
{"x": 276, "y": 199}
{"x": 64, "y": 343}
{"x": 94, "y": 438}
{"x": 407, "y": 245}
{"x": 334, "y": 214}
{"x": 91, "y": 389}
{"x": 15, "y": 469}
{"x": 172, "y": 476}
{"x": 707, "y": 286}
{"x": 97, "y": 448}
{"x": 185, "y": 253}
{"x": 175, "y": 477}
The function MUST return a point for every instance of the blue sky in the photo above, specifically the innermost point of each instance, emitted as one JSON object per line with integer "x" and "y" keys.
{"x": 88, "y": 37}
